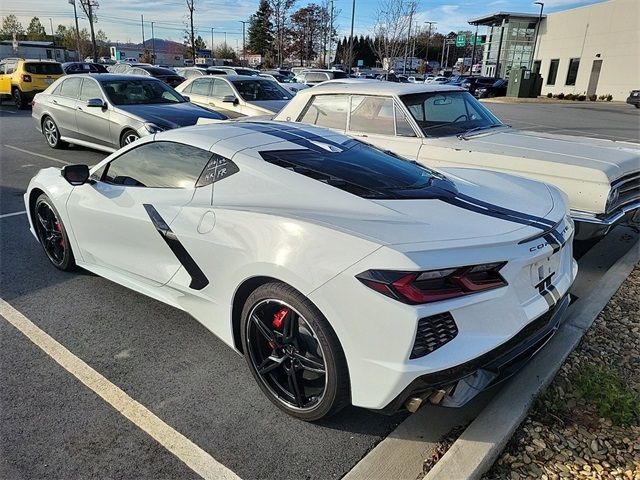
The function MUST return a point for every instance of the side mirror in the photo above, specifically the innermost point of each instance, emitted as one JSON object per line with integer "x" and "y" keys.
{"x": 186, "y": 98}
{"x": 95, "y": 102}
{"x": 229, "y": 99}
{"x": 76, "y": 174}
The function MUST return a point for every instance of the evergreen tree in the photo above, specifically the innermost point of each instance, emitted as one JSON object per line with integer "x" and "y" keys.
{"x": 35, "y": 30}
{"x": 261, "y": 30}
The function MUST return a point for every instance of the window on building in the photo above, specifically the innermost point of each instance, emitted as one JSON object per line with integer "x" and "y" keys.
{"x": 553, "y": 71}
{"x": 536, "y": 66}
{"x": 572, "y": 73}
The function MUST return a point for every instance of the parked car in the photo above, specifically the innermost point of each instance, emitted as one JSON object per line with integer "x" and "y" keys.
{"x": 634, "y": 98}
{"x": 498, "y": 89}
{"x": 291, "y": 87}
{"x": 439, "y": 80}
{"x": 443, "y": 126}
{"x": 124, "y": 67}
{"x": 21, "y": 79}
{"x": 471, "y": 83}
{"x": 236, "y": 95}
{"x": 192, "y": 72}
{"x": 316, "y": 76}
{"x": 83, "y": 67}
{"x": 170, "y": 77}
{"x": 239, "y": 71}
{"x": 344, "y": 274}
{"x": 107, "y": 111}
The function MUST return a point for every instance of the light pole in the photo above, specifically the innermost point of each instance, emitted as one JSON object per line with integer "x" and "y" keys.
{"x": 212, "y": 29}
{"x": 243, "y": 39}
{"x": 428, "y": 44}
{"x": 75, "y": 15}
{"x": 353, "y": 14}
{"x": 153, "y": 45}
{"x": 535, "y": 38}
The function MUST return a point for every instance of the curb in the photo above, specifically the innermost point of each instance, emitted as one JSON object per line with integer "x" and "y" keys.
{"x": 477, "y": 448}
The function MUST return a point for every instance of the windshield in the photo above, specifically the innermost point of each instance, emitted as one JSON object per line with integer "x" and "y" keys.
{"x": 441, "y": 114}
{"x": 44, "y": 68}
{"x": 140, "y": 91}
{"x": 260, "y": 90}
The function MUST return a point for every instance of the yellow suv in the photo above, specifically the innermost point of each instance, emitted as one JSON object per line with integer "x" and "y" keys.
{"x": 22, "y": 79}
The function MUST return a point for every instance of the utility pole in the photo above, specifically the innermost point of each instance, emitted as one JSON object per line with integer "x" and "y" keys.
{"x": 330, "y": 34}
{"x": 306, "y": 43}
{"x": 142, "y": 25}
{"x": 244, "y": 53}
{"x": 353, "y": 15}
{"x": 153, "y": 46}
{"x": 428, "y": 44}
{"x": 88, "y": 6}
{"x": 75, "y": 15}
{"x": 406, "y": 46}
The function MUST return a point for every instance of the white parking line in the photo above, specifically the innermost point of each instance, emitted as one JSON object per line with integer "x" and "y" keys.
{"x": 38, "y": 154}
{"x": 192, "y": 455}
{"x": 5, "y": 215}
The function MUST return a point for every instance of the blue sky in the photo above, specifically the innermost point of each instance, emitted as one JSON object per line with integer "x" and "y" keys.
{"x": 120, "y": 19}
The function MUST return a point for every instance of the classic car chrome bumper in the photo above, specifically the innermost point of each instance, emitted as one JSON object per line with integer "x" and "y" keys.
{"x": 588, "y": 226}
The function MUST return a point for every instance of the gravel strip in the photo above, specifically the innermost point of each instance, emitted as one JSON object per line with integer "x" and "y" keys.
{"x": 572, "y": 431}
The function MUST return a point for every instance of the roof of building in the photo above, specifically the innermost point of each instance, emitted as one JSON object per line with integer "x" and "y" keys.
{"x": 497, "y": 17}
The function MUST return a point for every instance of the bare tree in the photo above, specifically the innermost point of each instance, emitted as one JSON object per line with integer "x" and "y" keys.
{"x": 191, "y": 6}
{"x": 391, "y": 28}
{"x": 280, "y": 13}
{"x": 89, "y": 7}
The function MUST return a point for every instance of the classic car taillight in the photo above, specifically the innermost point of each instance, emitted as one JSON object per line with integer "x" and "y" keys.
{"x": 434, "y": 285}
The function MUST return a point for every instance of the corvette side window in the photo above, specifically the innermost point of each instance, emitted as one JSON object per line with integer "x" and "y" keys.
{"x": 327, "y": 111}
{"x": 158, "y": 165}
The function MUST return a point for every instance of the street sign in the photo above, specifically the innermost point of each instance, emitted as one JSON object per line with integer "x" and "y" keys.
{"x": 478, "y": 40}
{"x": 360, "y": 63}
{"x": 461, "y": 41}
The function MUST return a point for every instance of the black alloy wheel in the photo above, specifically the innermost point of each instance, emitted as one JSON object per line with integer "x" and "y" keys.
{"x": 52, "y": 234}
{"x": 293, "y": 353}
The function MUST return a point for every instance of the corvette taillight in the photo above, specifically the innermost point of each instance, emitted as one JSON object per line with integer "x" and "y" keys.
{"x": 434, "y": 285}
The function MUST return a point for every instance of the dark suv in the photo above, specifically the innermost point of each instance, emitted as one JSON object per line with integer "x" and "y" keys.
{"x": 472, "y": 83}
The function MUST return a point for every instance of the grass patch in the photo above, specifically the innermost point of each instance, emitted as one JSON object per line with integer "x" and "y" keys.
{"x": 549, "y": 402}
{"x": 605, "y": 389}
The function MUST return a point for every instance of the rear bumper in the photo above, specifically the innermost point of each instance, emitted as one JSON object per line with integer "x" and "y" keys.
{"x": 591, "y": 227}
{"x": 465, "y": 381}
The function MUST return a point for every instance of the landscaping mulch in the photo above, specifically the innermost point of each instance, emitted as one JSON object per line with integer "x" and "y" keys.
{"x": 586, "y": 424}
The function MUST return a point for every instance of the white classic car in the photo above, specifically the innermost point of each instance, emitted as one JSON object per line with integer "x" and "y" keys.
{"x": 444, "y": 126}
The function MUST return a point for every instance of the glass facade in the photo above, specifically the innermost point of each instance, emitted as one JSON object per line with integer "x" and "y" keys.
{"x": 509, "y": 46}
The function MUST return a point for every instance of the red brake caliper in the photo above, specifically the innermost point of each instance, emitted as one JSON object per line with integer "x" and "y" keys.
{"x": 278, "y": 318}
{"x": 57, "y": 228}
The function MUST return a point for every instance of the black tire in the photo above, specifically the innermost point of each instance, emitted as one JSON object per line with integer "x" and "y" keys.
{"x": 19, "y": 99}
{"x": 314, "y": 341}
{"x": 637, "y": 105}
{"x": 52, "y": 234}
{"x": 52, "y": 133}
{"x": 127, "y": 137}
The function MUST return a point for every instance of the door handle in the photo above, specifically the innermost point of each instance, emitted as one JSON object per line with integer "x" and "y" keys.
{"x": 79, "y": 108}
{"x": 55, "y": 101}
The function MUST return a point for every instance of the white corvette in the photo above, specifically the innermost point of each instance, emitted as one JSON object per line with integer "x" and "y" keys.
{"x": 343, "y": 274}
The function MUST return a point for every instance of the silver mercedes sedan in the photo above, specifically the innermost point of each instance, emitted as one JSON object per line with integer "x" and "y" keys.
{"x": 108, "y": 111}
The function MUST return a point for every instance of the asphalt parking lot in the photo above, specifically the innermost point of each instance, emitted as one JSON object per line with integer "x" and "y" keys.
{"x": 53, "y": 426}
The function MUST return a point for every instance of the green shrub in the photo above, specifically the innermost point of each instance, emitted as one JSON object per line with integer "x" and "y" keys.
{"x": 609, "y": 97}
{"x": 593, "y": 97}
{"x": 581, "y": 98}
{"x": 605, "y": 389}
{"x": 560, "y": 96}
{"x": 549, "y": 95}
{"x": 569, "y": 96}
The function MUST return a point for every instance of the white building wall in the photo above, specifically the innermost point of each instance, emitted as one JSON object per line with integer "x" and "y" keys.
{"x": 610, "y": 29}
